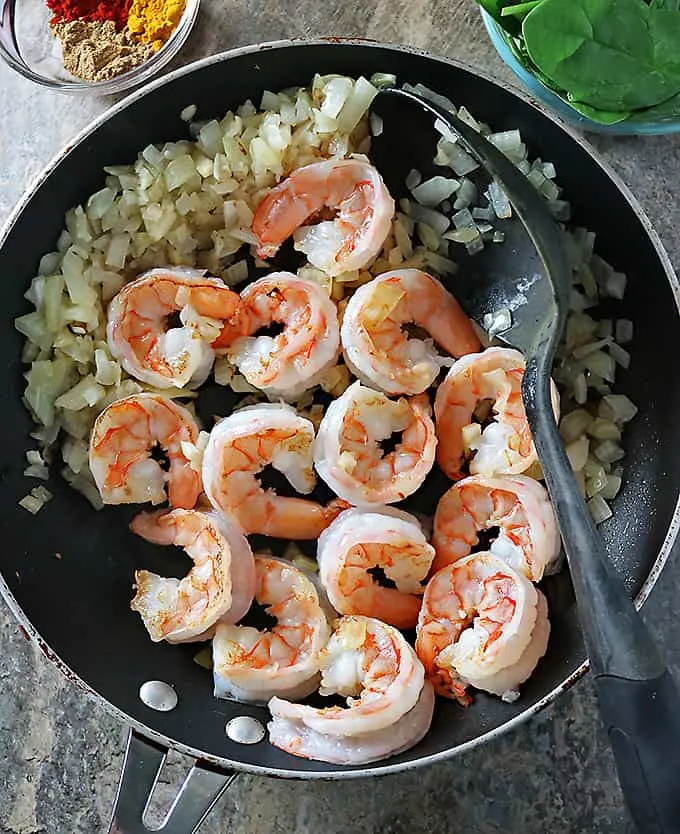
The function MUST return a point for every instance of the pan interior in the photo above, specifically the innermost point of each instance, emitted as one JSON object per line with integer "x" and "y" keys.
{"x": 70, "y": 569}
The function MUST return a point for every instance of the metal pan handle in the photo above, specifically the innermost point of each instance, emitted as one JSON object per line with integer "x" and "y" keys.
{"x": 199, "y": 792}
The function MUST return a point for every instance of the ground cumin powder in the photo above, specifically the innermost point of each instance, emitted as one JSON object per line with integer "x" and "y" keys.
{"x": 95, "y": 51}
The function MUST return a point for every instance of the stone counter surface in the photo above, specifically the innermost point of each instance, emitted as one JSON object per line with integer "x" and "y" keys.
{"x": 60, "y": 755}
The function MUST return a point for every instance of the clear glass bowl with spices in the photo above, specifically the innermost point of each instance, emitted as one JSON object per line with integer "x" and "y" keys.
{"x": 93, "y": 46}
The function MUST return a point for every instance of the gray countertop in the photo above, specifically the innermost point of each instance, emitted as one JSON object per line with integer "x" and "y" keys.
{"x": 60, "y": 754}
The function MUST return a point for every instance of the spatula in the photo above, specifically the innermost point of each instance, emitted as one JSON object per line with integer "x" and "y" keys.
{"x": 638, "y": 699}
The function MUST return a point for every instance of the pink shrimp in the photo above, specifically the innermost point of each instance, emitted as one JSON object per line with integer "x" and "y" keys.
{"x": 505, "y": 446}
{"x": 528, "y": 539}
{"x": 379, "y": 350}
{"x": 138, "y": 333}
{"x": 482, "y": 625}
{"x": 353, "y": 188}
{"x": 123, "y": 437}
{"x": 240, "y": 447}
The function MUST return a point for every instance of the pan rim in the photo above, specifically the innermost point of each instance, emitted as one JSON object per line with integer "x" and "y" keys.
{"x": 664, "y": 551}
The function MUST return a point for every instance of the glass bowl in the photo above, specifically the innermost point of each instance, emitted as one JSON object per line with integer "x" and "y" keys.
{"x": 499, "y": 38}
{"x": 29, "y": 47}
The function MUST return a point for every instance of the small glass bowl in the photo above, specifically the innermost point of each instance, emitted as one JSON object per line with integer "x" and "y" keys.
{"x": 558, "y": 105}
{"x": 29, "y": 47}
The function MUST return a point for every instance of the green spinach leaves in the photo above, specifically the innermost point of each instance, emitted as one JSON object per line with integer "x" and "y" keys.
{"x": 610, "y": 59}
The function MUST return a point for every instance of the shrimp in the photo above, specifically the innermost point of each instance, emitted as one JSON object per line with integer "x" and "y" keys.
{"x": 220, "y": 586}
{"x": 352, "y": 188}
{"x": 528, "y": 539}
{"x": 389, "y": 703}
{"x": 240, "y": 446}
{"x": 138, "y": 332}
{"x": 380, "y": 352}
{"x": 347, "y": 452}
{"x": 505, "y": 446}
{"x": 121, "y": 443}
{"x": 253, "y": 665}
{"x": 293, "y": 361}
{"x": 359, "y": 541}
{"x": 482, "y": 624}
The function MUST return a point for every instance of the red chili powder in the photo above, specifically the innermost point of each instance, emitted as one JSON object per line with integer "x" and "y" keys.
{"x": 93, "y": 10}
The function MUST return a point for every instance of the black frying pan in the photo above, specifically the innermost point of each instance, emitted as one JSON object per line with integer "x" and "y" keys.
{"x": 77, "y": 608}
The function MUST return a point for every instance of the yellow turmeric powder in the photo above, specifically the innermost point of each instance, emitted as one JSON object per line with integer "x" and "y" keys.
{"x": 153, "y": 21}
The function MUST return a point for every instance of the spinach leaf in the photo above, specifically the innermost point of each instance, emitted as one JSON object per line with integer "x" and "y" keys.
{"x": 603, "y": 117}
{"x": 494, "y": 8}
{"x": 613, "y": 55}
{"x": 519, "y": 9}
{"x": 668, "y": 110}
{"x": 670, "y": 5}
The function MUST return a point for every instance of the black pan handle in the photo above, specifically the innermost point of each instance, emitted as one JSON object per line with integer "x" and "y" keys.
{"x": 199, "y": 792}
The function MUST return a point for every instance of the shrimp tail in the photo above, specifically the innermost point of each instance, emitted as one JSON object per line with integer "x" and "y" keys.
{"x": 234, "y": 327}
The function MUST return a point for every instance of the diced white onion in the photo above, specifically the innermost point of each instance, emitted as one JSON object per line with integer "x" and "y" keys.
{"x": 599, "y": 509}
{"x": 577, "y": 452}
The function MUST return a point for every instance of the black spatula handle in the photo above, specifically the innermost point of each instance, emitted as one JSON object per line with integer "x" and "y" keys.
{"x": 639, "y": 701}
{"x": 643, "y": 724}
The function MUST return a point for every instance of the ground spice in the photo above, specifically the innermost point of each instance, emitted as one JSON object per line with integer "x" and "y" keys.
{"x": 96, "y": 51}
{"x": 92, "y": 10}
{"x": 153, "y": 21}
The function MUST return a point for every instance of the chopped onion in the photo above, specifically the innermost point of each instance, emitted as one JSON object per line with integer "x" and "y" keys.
{"x": 620, "y": 355}
{"x": 585, "y": 350}
{"x": 441, "y": 264}
{"x": 580, "y": 389}
{"x": 602, "y": 364}
{"x": 376, "y": 124}
{"x": 624, "y": 331}
{"x": 603, "y": 429}
{"x": 577, "y": 452}
{"x": 413, "y": 179}
{"x": 497, "y": 322}
{"x": 599, "y": 509}
{"x": 608, "y": 451}
{"x": 356, "y": 105}
{"x": 383, "y": 79}
{"x": 574, "y": 425}
{"x": 32, "y": 504}
{"x": 433, "y": 191}
{"x": 499, "y": 201}
{"x": 84, "y": 394}
{"x": 617, "y": 407}
{"x": 616, "y": 285}
{"x": 335, "y": 94}
{"x": 188, "y": 113}
{"x": 428, "y": 236}
{"x": 464, "y": 235}
{"x": 611, "y": 489}
{"x": 438, "y": 221}
{"x": 456, "y": 157}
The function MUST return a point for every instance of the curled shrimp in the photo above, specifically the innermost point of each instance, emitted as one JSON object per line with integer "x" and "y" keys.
{"x": 287, "y": 364}
{"x": 121, "y": 443}
{"x": 378, "y": 349}
{"x": 505, "y": 446}
{"x": 253, "y": 665}
{"x": 389, "y": 704}
{"x": 482, "y": 624}
{"x": 357, "y": 542}
{"x": 528, "y": 539}
{"x": 241, "y": 446}
{"x": 353, "y": 189}
{"x": 347, "y": 452}
{"x": 138, "y": 332}
{"x": 220, "y": 586}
